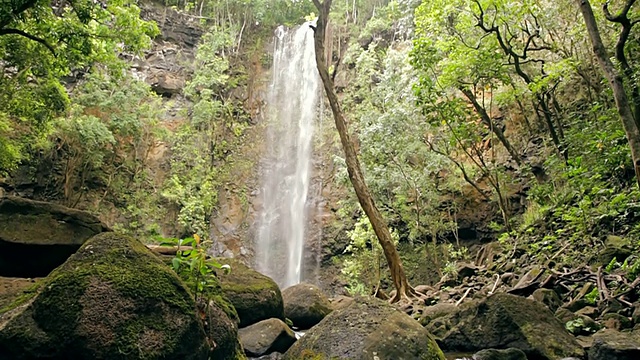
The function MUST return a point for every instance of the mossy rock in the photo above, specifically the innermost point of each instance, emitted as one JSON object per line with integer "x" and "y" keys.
{"x": 255, "y": 296}
{"x": 36, "y": 236}
{"x": 366, "y": 329}
{"x": 113, "y": 299}
{"x": 223, "y": 330}
{"x": 508, "y": 321}
{"x": 305, "y": 305}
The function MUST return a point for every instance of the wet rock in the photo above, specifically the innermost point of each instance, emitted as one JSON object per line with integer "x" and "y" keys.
{"x": 112, "y": 297}
{"x": 366, "y": 329}
{"x": 305, "y": 305}
{"x": 504, "y": 321}
{"x": 255, "y": 296}
{"x": 613, "y": 345}
{"x": 265, "y": 337}
{"x": 500, "y": 354}
{"x": 36, "y": 236}
{"x": 548, "y": 297}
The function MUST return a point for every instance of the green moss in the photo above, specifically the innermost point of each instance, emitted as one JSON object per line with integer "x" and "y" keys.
{"x": 254, "y": 296}
{"x": 113, "y": 299}
{"x": 23, "y": 298}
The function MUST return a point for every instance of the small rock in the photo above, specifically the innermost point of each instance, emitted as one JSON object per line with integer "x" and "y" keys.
{"x": 614, "y": 345}
{"x": 616, "y": 321}
{"x": 466, "y": 270}
{"x": 575, "y": 305}
{"x": 589, "y": 311}
{"x": 266, "y": 337}
{"x": 431, "y": 313}
{"x": 564, "y": 315}
{"x": 635, "y": 317}
{"x": 500, "y": 354}
{"x": 424, "y": 289}
{"x": 548, "y": 297}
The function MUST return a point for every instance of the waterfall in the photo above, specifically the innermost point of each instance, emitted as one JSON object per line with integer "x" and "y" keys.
{"x": 292, "y": 108}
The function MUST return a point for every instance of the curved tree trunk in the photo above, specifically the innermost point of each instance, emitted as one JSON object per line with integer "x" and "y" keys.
{"x": 403, "y": 289}
{"x": 615, "y": 81}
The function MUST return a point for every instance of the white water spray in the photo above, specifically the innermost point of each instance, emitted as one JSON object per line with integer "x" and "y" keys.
{"x": 292, "y": 103}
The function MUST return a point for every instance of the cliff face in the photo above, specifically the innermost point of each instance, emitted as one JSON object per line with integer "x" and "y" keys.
{"x": 168, "y": 65}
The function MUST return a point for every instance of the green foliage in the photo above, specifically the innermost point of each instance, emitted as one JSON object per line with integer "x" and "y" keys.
{"x": 401, "y": 174}
{"x": 105, "y": 140}
{"x": 592, "y": 296}
{"x": 577, "y": 326}
{"x": 194, "y": 266}
{"x": 363, "y": 269}
{"x": 202, "y": 148}
{"x": 40, "y": 44}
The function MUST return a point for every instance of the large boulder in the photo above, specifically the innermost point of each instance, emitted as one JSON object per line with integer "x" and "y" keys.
{"x": 255, "y": 296}
{"x": 36, "y": 237}
{"x": 507, "y": 321}
{"x": 613, "y": 345}
{"x": 366, "y": 329}
{"x": 221, "y": 325}
{"x": 305, "y": 305}
{"x": 113, "y": 299}
{"x": 266, "y": 336}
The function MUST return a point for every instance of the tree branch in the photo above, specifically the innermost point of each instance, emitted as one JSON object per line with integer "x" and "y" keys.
{"x": 621, "y": 16}
{"x": 20, "y": 9}
{"x": 28, "y": 36}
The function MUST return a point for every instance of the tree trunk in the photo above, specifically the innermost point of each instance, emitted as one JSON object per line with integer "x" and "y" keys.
{"x": 615, "y": 81}
{"x": 486, "y": 119}
{"x": 403, "y": 289}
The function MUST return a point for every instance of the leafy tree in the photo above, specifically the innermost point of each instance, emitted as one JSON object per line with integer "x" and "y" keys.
{"x": 615, "y": 76}
{"x": 403, "y": 289}
{"x": 401, "y": 174}
{"x": 43, "y": 41}
{"x": 105, "y": 138}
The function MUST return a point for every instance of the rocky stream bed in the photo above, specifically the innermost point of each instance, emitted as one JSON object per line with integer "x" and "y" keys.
{"x": 113, "y": 298}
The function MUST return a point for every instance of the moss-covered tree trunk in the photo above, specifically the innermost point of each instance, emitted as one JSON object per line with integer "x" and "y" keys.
{"x": 615, "y": 81}
{"x": 380, "y": 227}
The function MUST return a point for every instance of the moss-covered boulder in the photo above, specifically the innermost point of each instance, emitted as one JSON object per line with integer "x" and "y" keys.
{"x": 221, "y": 325}
{"x": 36, "y": 237}
{"x": 266, "y": 336}
{"x": 366, "y": 329}
{"x": 113, "y": 299}
{"x": 507, "y": 321}
{"x": 305, "y": 305}
{"x": 255, "y": 296}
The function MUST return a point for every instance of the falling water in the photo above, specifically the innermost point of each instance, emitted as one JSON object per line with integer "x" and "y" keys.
{"x": 292, "y": 100}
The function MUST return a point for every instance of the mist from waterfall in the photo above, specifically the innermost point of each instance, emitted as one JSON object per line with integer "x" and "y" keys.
{"x": 292, "y": 110}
